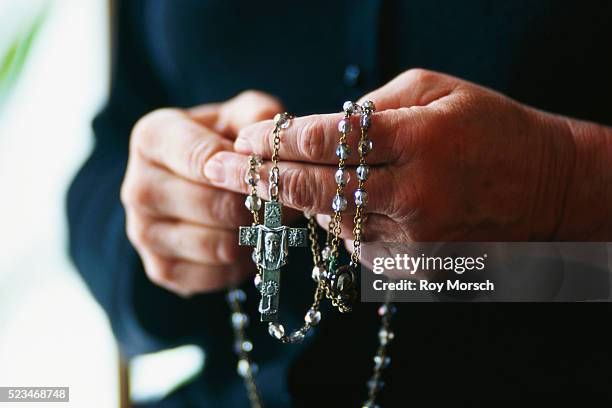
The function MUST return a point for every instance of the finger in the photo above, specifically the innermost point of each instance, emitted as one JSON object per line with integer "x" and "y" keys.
{"x": 415, "y": 87}
{"x": 309, "y": 188}
{"x": 314, "y": 139}
{"x": 376, "y": 227}
{"x": 161, "y": 194}
{"x": 171, "y": 139}
{"x": 188, "y": 278}
{"x": 206, "y": 114}
{"x": 194, "y": 243}
{"x": 245, "y": 109}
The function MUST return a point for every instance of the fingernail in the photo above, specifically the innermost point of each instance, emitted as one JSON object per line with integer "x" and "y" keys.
{"x": 242, "y": 145}
{"x": 214, "y": 171}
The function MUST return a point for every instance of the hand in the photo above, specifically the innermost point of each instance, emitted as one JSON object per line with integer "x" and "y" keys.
{"x": 451, "y": 161}
{"x": 184, "y": 228}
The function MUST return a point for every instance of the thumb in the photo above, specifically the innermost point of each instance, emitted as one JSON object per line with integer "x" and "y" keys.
{"x": 415, "y": 87}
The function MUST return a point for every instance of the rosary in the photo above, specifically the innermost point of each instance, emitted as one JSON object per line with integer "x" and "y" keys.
{"x": 271, "y": 242}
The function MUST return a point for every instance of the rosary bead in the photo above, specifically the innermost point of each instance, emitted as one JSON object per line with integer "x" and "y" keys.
{"x": 342, "y": 177}
{"x": 368, "y": 106}
{"x": 253, "y": 202}
{"x": 339, "y": 203}
{"x": 363, "y": 172}
{"x": 343, "y": 151}
{"x": 257, "y": 281}
{"x": 246, "y": 368}
{"x": 326, "y": 253}
{"x": 256, "y": 161}
{"x": 312, "y": 317}
{"x": 385, "y": 336}
{"x": 365, "y": 121}
{"x": 365, "y": 146}
{"x": 276, "y": 330}
{"x": 317, "y": 272}
{"x": 344, "y": 126}
{"x": 386, "y": 309}
{"x": 243, "y": 346}
{"x": 361, "y": 197}
{"x": 236, "y": 295}
{"x": 282, "y": 120}
{"x": 252, "y": 178}
{"x": 296, "y": 336}
{"x": 350, "y": 108}
{"x": 239, "y": 320}
{"x": 380, "y": 362}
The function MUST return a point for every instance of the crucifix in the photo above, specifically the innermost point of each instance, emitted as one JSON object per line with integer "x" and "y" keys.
{"x": 271, "y": 241}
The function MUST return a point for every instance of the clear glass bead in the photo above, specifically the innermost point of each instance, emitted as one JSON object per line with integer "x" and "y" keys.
{"x": 236, "y": 295}
{"x": 386, "y": 309}
{"x": 253, "y": 202}
{"x": 350, "y": 108}
{"x": 368, "y": 105}
{"x": 380, "y": 362}
{"x": 363, "y": 172}
{"x": 339, "y": 203}
{"x": 313, "y": 317}
{"x": 282, "y": 120}
{"x": 365, "y": 121}
{"x": 252, "y": 178}
{"x": 276, "y": 330}
{"x": 316, "y": 273}
{"x": 256, "y": 160}
{"x": 326, "y": 253}
{"x": 239, "y": 320}
{"x": 343, "y": 151}
{"x": 365, "y": 147}
{"x": 257, "y": 281}
{"x": 296, "y": 336}
{"x": 344, "y": 126}
{"x": 246, "y": 368}
{"x": 342, "y": 177}
{"x": 361, "y": 197}
{"x": 385, "y": 336}
{"x": 243, "y": 346}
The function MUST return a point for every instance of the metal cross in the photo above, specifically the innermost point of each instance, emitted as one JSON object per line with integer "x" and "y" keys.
{"x": 271, "y": 241}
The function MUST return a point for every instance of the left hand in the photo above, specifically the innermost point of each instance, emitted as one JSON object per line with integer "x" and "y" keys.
{"x": 451, "y": 161}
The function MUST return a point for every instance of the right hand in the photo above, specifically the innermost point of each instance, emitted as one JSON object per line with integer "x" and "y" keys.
{"x": 183, "y": 228}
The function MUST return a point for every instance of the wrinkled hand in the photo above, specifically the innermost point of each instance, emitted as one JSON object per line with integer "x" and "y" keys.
{"x": 182, "y": 226}
{"x": 451, "y": 161}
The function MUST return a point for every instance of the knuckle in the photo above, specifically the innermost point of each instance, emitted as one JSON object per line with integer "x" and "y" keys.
{"x": 311, "y": 140}
{"x": 136, "y": 232}
{"x": 145, "y": 127}
{"x": 420, "y": 74}
{"x": 161, "y": 273}
{"x": 297, "y": 192}
{"x": 137, "y": 194}
{"x": 199, "y": 154}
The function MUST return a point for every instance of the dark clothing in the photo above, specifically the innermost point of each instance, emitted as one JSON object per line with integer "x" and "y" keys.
{"x": 554, "y": 55}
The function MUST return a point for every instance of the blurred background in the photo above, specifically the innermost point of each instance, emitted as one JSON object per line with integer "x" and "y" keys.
{"x": 54, "y": 74}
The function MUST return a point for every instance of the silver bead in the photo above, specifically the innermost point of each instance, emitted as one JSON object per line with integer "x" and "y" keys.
{"x": 363, "y": 172}
{"x": 342, "y": 177}
{"x": 276, "y": 330}
{"x": 344, "y": 126}
{"x": 243, "y": 346}
{"x": 365, "y": 121}
{"x": 257, "y": 281}
{"x": 339, "y": 203}
{"x": 380, "y": 362}
{"x": 317, "y": 272}
{"x": 350, "y": 108}
{"x": 282, "y": 120}
{"x": 368, "y": 106}
{"x": 239, "y": 320}
{"x": 236, "y": 295}
{"x": 313, "y": 317}
{"x": 296, "y": 336}
{"x": 326, "y": 253}
{"x": 253, "y": 202}
{"x": 385, "y": 336}
{"x": 361, "y": 197}
{"x": 252, "y": 178}
{"x": 246, "y": 368}
{"x": 343, "y": 151}
{"x": 256, "y": 160}
{"x": 365, "y": 147}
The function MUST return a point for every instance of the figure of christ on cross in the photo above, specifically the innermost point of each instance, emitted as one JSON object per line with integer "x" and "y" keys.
{"x": 271, "y": 241}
